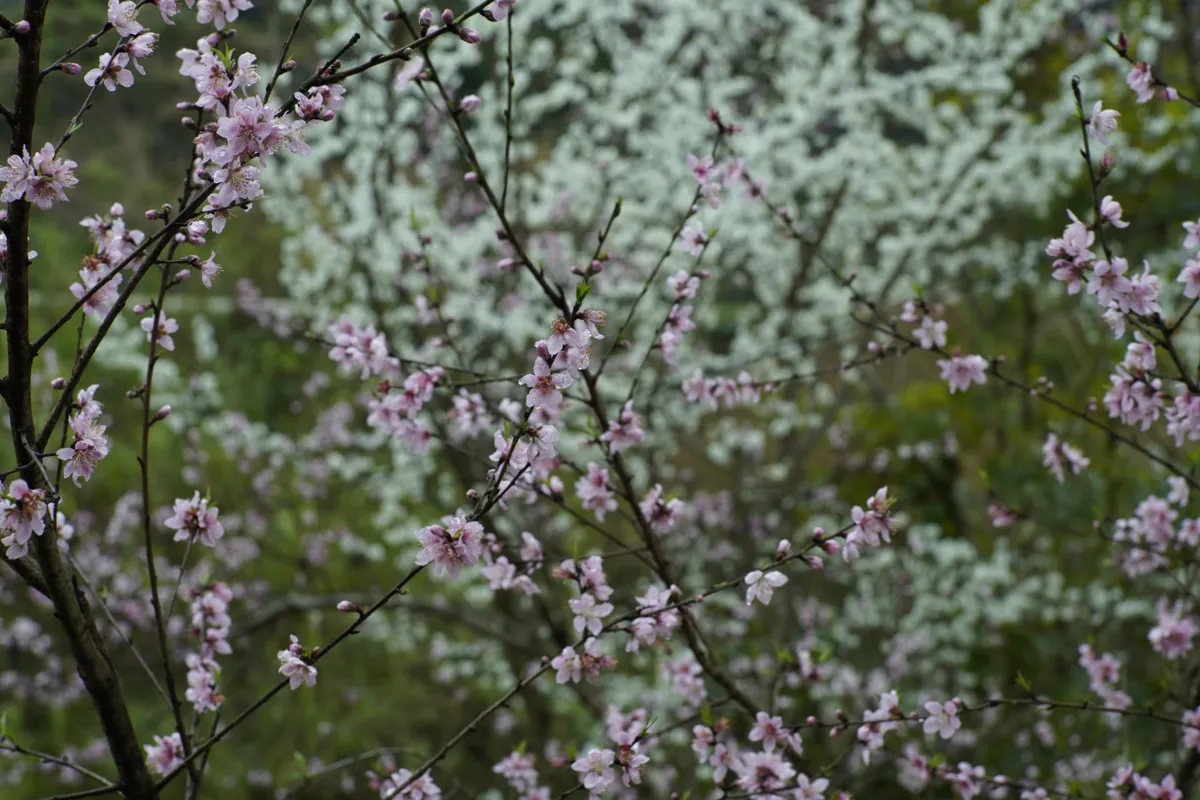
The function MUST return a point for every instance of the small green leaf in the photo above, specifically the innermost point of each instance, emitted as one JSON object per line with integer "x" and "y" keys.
{"x": 581, "y": 291}
{"x": 706, "y": 715}
{"x": 1023, "y": 682}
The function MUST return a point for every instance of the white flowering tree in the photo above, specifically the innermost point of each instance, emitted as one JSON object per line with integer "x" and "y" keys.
{"x": 652, "y": 433}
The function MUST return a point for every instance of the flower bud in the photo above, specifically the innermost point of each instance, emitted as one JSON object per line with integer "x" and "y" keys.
{"x": 425, "y": 19}
{"x": 58, "y": 383}
{"x": 346, "y": 606}
{"x": 447, "y": 17}
{"x": 469, "y": 35}
{"x": 288, "y": 65}
{"x": 783, "y": 550}
{"x": 140, "y": 308}
{"x": 161, "y": 414}
{"x": 471, "y": 177}
{"x": 23, "y": 26}
{"x": 71, "y": 68}
{"x": 470, "y": 103}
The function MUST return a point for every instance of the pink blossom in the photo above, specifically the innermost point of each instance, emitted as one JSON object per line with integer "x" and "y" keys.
{"x": 220, "y": 12}
{"x": 763, "y": 774}
{"x": 1110, "y": 211}
{"x": 294, "y": 666}
{"x": 112, "y": 72}
{"x": 596, "y": 770}
{"x": 589, "y": 615}
{"x": 449, "y": 549}
{"x": 594, "y": 493}
{"x": 943, "y": 719}
{"x": 661, "y": 515}
{"x": 1189, "y": 276}
{"x": 544, "y": 386}
{"x": 1192, "y": 240}
{"x": 195, "y": 519}
{"x": 122, "y": 15}
{"x": 22, "y": 516}
{"x": 626, "y": 431}
{"x": 761, "y": 587}
{"x": 89, "y": 447}
{"x": 1103, "y": 121}
{"x": 166, "y": 754}
{"x": 1053, "y": 451}
{"x": 41, "y": 179}
{"x": 810, "y": 789}
{"x": 1141, "y": 81}
{"x": 961, "y": 371}
{"x": 1172, "y": 636}
{"x": 162, "y": 331}
{"x": 693, "y": 239}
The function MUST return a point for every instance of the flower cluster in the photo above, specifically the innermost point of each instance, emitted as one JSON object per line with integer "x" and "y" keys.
{"x": 41, "y": 179}
{"x": 210, "y": 622}
{"x": 22, "y": 515}
{"x": 90, "y": 444}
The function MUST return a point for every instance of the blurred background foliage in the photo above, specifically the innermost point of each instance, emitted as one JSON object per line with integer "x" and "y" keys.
{"x": 132, "y": 150}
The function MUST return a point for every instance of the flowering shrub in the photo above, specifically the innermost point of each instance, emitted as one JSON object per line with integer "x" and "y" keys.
{"x": 604, "y": 358}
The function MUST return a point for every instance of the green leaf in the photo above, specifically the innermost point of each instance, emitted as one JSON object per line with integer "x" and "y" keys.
{"x": 581, "y": 291}
{"x": 706, "y": 715}
{"x": 1023, "y": 682}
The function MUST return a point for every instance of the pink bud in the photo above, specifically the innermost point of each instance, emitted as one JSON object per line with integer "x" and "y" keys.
{"x": 471, "y": 177}
{"x": 811, "y": 721}
{"x": 447, "y": 17}
{"x": 152, "y": 214}
{"x": 782, "y": 551}
{"x": 425, "y": 18}
{"x": 162, "y": 413}
{"x": 288, "y": 65}
{"x": 58, "y": 383}
{"x": 470, "y": 103}
{"x": 469, "y": 35}
{"x": 140, "y": 308}
{"x": 542, "y": 349}
{"x": 814, "y": 562}
{"x": 23, "y": 26}
{"x": 71, "y": 68}
{"x": 346, "y": 606}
